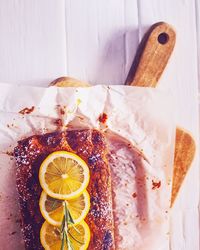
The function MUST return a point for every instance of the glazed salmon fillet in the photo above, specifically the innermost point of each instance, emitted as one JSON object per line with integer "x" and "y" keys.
{"x": 90, "y": 145}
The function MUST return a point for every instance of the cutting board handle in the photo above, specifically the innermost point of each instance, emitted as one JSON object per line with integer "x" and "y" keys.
{"x": 152, "y": 56}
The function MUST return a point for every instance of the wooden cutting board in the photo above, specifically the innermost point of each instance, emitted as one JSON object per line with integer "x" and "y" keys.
{"x": 150, "y": 61}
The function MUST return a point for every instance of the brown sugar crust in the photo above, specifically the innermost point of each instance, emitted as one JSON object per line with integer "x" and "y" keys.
{"x": 90, "y": 146}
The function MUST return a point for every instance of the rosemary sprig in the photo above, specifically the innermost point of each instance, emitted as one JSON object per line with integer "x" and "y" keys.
{"x": 63, "y": 241}
{"x": 67, "y": 220}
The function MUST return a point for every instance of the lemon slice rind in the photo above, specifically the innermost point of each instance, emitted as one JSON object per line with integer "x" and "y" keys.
{"x": 47, "y": 217}
{"x": 45, "y": 228}
{"x": 67, "y": 155}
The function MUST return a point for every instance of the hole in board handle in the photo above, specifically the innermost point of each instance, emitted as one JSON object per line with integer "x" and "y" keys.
{"x": 163, "y": 38}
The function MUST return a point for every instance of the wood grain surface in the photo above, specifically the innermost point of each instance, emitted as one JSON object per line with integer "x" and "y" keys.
{"x": 152, "y": 56}
{"x": 148, "y": 65}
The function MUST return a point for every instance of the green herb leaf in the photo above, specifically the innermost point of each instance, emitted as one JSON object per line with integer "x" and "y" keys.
{"x": 63, "y": 241}
{"x": 67, "y": 220}
{"x": 69, "y": 244}
{"x": 71, "y": 221}
{"x": 63, "y": 225}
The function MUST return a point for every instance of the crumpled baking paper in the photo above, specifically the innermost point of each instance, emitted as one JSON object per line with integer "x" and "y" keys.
{"x": 140, "y": 132}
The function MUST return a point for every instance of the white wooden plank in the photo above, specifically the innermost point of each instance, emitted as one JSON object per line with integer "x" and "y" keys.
{"x": 97, "y": 34}
{"x": 197, "y": 8}
{"x": 32, "y": 44}
{"x": 181, "y": 76}
{"x": 181, "y": 224}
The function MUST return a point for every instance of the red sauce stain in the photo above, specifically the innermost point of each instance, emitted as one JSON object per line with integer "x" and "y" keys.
{"x": 134, "y": 195}
{"x": 27, "y": 110}
{"x": 58, "y": 122}
{"x": 103, "y": 118}
{"x": 156, "y": 184}
{"x": 9, "y": 153}
{"x": 62, "y": 111}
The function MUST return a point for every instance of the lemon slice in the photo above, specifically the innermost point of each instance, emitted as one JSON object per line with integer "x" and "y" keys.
{"x": 79, "y": 236}
{"x": 53, "y": 211}
{"x": 64, "y": 175}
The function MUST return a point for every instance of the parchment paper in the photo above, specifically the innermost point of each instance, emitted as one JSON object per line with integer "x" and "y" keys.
{"x": 140, "y": 131}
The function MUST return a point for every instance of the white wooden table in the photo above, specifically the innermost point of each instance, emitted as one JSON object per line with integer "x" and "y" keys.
{"x": 96, "y": 41}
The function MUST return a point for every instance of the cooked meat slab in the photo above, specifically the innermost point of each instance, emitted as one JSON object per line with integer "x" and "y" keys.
{"x": 90, "y": 146}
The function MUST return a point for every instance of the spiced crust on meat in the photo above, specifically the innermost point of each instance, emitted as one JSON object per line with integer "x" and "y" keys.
{"x": 90, "y": 146}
